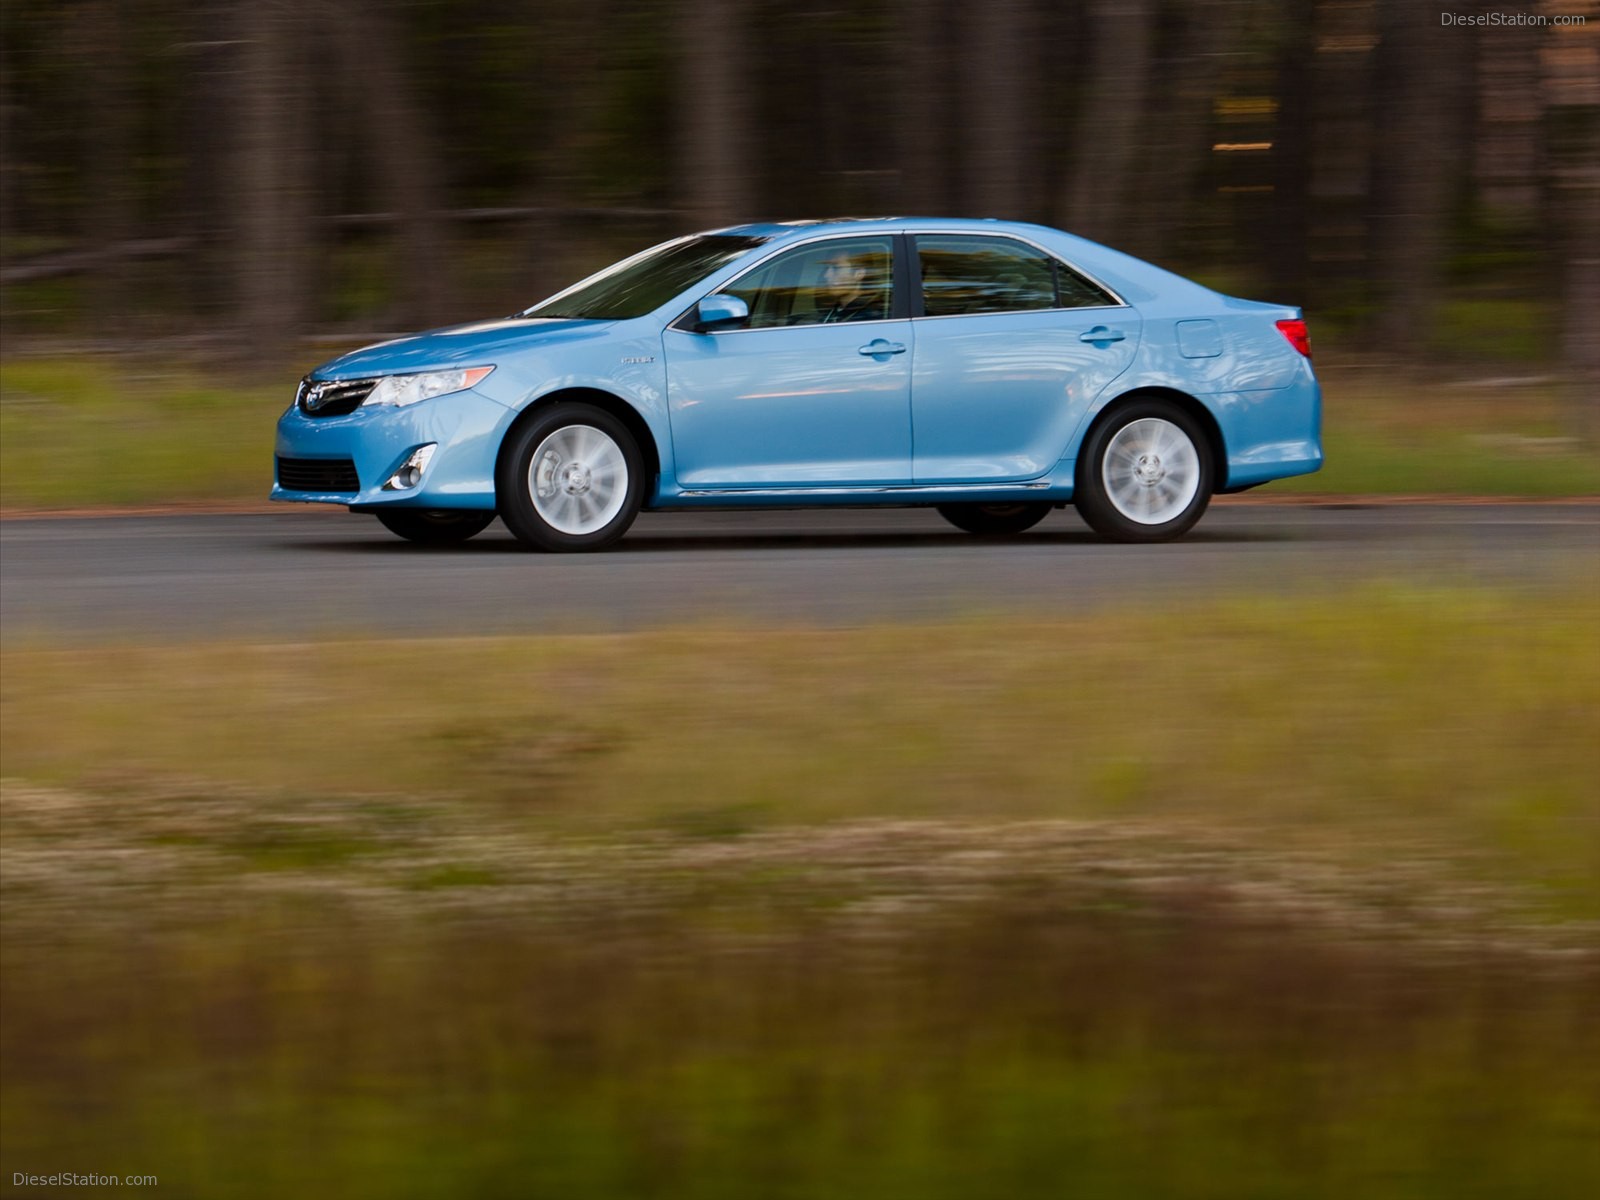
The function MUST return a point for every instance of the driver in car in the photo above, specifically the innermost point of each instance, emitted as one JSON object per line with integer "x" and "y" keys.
{"x": 844, "y": 293}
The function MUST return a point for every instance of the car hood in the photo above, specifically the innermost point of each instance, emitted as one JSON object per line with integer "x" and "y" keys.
{"x": 478, "y": 344}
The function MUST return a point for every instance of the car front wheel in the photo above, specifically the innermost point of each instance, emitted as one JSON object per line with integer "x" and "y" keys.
{"x": 994, "y": 519}
{"x": 1145, "y": 475}
{"x": 435, "y": 526}
{"x": 570, "y": 479}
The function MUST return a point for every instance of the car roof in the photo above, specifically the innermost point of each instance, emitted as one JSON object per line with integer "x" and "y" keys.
{"x": 778, "y": 229}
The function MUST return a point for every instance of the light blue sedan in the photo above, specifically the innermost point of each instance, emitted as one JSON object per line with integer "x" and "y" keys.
{"x": 992, "y": 370}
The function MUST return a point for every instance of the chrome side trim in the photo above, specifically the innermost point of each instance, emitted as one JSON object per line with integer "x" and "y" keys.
{"x": 780, "y": 328}
{"x": 1022, "y": 312}
{"x": 882, "y": 490}
{"x": 913, "y": 234}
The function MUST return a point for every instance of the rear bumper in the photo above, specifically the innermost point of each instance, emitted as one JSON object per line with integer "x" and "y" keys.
{"x": 1270, "y": 434}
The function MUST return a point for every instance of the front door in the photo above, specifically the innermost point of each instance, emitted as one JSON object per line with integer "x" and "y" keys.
{"x": 814, "y": 391}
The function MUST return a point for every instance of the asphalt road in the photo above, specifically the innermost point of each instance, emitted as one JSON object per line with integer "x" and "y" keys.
{"x": 305, "y": 573}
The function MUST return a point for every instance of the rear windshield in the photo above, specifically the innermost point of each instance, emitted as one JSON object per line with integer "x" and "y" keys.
{"x": 645, "y": 282}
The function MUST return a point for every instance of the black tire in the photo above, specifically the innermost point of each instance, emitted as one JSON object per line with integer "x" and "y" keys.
{"x": 994, "y": 520}
{"x": 1127, "y": 491}
{"x": 435, "y": 526}
{"x": 587, "y": 489}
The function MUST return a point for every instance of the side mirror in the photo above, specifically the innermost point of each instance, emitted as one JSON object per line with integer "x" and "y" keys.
{"x": 720, "y": 311}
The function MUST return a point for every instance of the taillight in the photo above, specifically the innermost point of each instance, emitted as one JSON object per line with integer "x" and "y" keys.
{"x": 1295, "y": 331}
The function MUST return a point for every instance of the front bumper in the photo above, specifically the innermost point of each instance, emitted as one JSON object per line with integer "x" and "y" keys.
{"x": 467, "y": 427}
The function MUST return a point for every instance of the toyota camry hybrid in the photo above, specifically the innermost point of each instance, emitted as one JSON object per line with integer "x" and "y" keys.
{"x": 992, "y": 370}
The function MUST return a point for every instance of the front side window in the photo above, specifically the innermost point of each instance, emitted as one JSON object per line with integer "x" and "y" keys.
{"x": 822, "y": 283}
{"x": 642, "y": 284}
{"x": 966, "y": 274}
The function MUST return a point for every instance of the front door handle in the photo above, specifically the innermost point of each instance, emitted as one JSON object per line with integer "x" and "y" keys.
{"x": 1102, "y": 334}
{"x": 878, "y": 346}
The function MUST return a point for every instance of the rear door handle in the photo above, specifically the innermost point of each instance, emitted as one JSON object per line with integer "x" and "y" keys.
{"x": 878, "y": 346}
{"x": 1102, "y": 334}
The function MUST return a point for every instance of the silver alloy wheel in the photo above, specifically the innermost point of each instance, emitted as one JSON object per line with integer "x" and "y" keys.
{"x": 1151, "y": 471}
{"x": 578, "y": 479}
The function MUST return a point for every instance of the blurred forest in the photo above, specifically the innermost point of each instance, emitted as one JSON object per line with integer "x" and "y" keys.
{"x": 256, "y": 171}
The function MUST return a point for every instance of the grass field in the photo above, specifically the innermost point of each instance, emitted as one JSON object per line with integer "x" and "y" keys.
{"x": 109, "y": 431}
{"x": 1253, "y": 899}
{"x": 1375, "y": 717}
{"x": 1389, "y": 434}
{"x": 128, "y": 431}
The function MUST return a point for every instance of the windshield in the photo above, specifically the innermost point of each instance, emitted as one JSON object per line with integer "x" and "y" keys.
{"x": 645, "y": 282}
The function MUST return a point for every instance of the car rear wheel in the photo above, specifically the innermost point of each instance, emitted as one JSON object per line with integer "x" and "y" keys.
{"x": 994, "y": 519}
{"x": 435, "y": 526}
{"x": 1145, "y": 475}
{"x": 570, "y": 479}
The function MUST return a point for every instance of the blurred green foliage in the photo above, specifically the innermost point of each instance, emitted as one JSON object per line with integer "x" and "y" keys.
{"x": 1026, "y": 1049}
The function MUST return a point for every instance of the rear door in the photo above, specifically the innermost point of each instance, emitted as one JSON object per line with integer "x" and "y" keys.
{"x": 1011, "y": 348}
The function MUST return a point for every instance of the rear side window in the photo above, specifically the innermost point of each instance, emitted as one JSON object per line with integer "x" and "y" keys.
{"x": 1074, "y": 291}
{"x": 965, "y": 274}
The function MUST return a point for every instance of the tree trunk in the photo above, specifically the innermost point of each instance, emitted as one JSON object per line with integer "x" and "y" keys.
{"x": 578, "y": 37}
{"x": 1508, "y": 159}
{"x": 1179, "y": 138}
{"x": 1109, "y": 118}
{"x": 996, "y": 94}
{"x": 212, "y": 58}
{"x": 1581, "y": 307}
{"x": 409, "y": 173}
{"x": 1410, "y": 169}
{"x": 112, "y": 209}
{"x": 1289, "y": 233}
{"x": 713, "y": 101}
{"x": 925, "y": 109}
{"x": 272, "y": 181}
{"x": 1574, "y": 121}
{"x": 10, "y": 176}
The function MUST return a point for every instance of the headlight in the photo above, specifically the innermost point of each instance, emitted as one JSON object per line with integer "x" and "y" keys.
{"x": 400, "y": 390}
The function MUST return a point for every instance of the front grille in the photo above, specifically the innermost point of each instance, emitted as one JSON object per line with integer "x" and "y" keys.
{"x": 318, "y": 475}
{"x": 332, "y": 397}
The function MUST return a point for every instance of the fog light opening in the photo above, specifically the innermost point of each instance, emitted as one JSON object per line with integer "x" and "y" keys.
{"x": 410, "y": 472}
